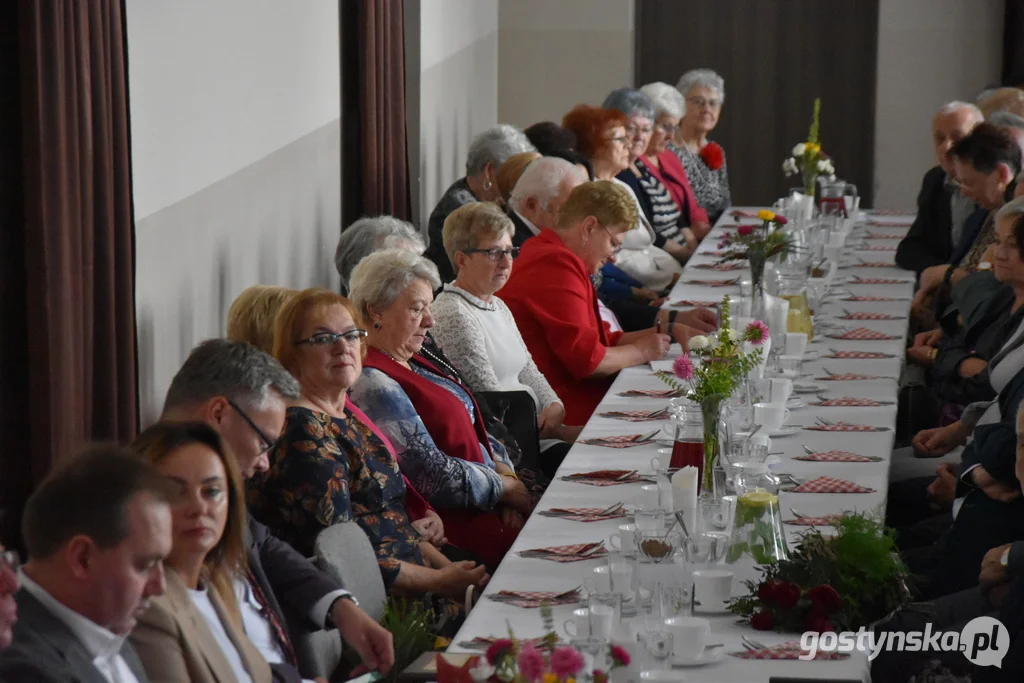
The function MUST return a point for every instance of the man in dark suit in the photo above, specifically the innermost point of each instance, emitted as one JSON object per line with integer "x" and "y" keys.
{"x": 539, "y": 194}
{"x": 97, "y": 531}
{"x": 241, "y": 391}
{"x": 941, "y": 209}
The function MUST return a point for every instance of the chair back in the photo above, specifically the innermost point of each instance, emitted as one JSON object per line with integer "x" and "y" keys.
{"x": 344, "y": 552}
{"x": 518, "y": 412}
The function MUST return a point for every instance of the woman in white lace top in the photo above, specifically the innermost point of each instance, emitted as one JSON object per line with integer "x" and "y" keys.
{"x": 475, "y": 327}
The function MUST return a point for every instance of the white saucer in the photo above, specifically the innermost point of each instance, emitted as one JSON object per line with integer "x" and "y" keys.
{"x": 795, "y": 403}
{"x": 808, "y": 387}
{"x": 712, "y": 656}
{"x": 785, "y": 431}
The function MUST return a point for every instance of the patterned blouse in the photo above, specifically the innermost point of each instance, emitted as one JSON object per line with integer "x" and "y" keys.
{"x": 710, "y": 187}
{"x": 665, "y": 213}
{"x": 443, "y": 480}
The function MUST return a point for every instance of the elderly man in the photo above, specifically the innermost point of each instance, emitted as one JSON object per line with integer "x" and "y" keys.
{"x": 941, "y": 208}
{"x": 97, "y": 531}
{"x": 539, "y": 194}
{"x": 241, "y": 391}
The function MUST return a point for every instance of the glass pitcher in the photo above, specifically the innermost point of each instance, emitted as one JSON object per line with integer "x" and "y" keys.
{"x": 688, "y": 445}
{"x": 792, "y": 287}
{"x": 757, "y": 521}
{"x": 832, "y": 197}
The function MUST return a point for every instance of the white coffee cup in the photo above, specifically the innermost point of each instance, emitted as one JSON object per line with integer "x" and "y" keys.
{"x": 689, "y": 636}
{"x": 796, "y": 343}
{"x": 623, "y": 540}
{"x": 602, "y": 621}
{"x": 579, "y": 625}
{"x": 782, "y": 389}
{"x": 712, "y": 589}
{"x": 600, "y": 580}
{"x": 770, "y": 416}
{"x": 661, "y": 462}
{"x": 621, "y": 576}
{"x": 649, "y": 499}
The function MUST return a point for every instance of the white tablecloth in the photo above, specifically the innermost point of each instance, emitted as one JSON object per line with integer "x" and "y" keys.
{"x": 491, "y": 618}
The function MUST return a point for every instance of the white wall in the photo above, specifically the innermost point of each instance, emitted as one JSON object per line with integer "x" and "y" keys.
{"x": 929, "y": 52}
{"x": 236, "y": 154}
{"x": 555, "y": 55}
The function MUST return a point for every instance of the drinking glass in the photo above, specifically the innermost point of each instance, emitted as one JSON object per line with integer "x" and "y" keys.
{"x": 791, "y": 366}
{"x": 657, "y": 546}
{"x": 674, "y": 599}
{"x": 594, "y": 651}
{"x": 605, "y": 614}
{"x": 658, "y": 643}
{"x": 649, "y": 520}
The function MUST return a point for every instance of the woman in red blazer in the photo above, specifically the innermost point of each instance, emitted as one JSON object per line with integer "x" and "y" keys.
{"x": 555, "y": 306}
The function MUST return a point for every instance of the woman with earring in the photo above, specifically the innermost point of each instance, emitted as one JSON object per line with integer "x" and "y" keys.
{"x": 488, "y": 151}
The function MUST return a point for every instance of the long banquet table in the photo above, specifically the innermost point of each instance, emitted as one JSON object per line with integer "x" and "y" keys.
{"x": 490, "y": 618}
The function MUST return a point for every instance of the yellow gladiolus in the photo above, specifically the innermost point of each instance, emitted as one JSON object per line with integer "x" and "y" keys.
{"x": 765, "y": 215}
{"x": 813, "y": 147}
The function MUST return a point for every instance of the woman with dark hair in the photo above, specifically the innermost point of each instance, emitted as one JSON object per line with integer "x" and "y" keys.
{"x": 194, "y": 632}
{"x": 549, "y": 137}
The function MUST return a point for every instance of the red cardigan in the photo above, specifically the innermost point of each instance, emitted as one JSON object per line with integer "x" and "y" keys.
{"x": 673, "y": 176}
{"x": 555, "y": 308}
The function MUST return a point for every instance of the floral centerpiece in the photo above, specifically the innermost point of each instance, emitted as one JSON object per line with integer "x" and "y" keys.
{"x": 830, "y": 583}
{"x": 723, "y": 365}
{"x": 807, "y": 159}
{"x": 758, "y": 244}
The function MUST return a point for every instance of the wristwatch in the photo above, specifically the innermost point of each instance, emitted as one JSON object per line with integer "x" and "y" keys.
{"x": 1004, "y": 559}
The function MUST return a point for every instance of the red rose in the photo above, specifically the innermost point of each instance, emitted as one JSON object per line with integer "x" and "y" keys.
{"x": 824, "y": 599}
{"x": 763, "y": 620}
{"x": 780, "y": 220}
{"x": 818, "y": 624}
{"x": 779, "y": 593}
{"x": 712, "y": 156}
{"x": 744, "y": 230}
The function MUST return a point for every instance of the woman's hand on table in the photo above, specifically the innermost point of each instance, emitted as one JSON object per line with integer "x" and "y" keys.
{"x": 431, "y": 528}
{"x": 550, "y": 420}
{"x": 703, "y": 320}
{"x": 454, "y": 579}
{"x": 653, "y": 346}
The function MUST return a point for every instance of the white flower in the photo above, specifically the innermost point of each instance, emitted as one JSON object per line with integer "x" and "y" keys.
{"x": 799, "y": 149}
{"x": 712, "y": 341}
{"x": 699, "y": 342}
{"x": 789, "y": 166}
{"x": 728, "y": 334}
{"x": 832, "y": 178}
{"x": 825, "y": 166}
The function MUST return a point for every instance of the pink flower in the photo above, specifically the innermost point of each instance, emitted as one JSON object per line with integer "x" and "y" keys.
{"x": 683, "y": 368}
{"x": 566, "y": 662}
{"x": 744, "y": 230}
{"x": 723, "y": 244}
{"x": 756, "y": 332}
{"x": 619, "y": 656}
{"x": 498, "y": 649}
{"x": 780, "y": 220}
{"x": 531, "y": 663}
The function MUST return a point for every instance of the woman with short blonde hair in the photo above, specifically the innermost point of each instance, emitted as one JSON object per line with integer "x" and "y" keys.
{"x": 511, "y": 170}
{"x": 252, "y": 313}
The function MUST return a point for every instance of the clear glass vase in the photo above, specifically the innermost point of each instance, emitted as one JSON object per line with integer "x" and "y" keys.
{"x": 757, "y": 262}
{"x": 711, "y": 410}
{"x": 757, "y": 532}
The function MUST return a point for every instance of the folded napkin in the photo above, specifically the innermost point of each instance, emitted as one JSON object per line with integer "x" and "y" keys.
{"x": 636, "y": 415}
{"x": 879, "y": 236}
{"x": 847, "y": 377}
{"x": 721, "y": 267}
{"x": 870, "y": 315}
{"x": 608, "y": 477}
{"x": 652, "y": 393}
{"x": 874, "y": 264}
{"x": 845, "y": 427}
{"x": 863, "y": 334}
{"x": 618, "y": 440}
{"x": 849, "y": 402}
{"x": 827, "y": 520}
{"x": 876, "y": 298}
{"x": 722, "y": 252}
{"x": 837, "y": 456}
{"x": 531, "y": 599}
{"x": 830, "y": 485}
{"x": 567, "y": 553}
{"x": 859, "y": 355}
{"x": 875, "y": 247}
{"x": 586, "y": 514}
{"x": 791, "y": 650}
{"x": 877, "y": 280}
{"x": 484, "y": 642}
{"x": 690, "y": 302}
{"x": 739, "y": 213}
{"x": 711, "y": 283}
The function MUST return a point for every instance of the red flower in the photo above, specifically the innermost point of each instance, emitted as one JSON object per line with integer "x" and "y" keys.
{"x": 620, "y": 657}
{"x": 498, "y": 649}
{"x": 780, "y": 220}
{"x": 818, "y": 624}
{"x": 600, "y": 676}
{"x": 712, "y": 156}
{"x": 824, "y": 599}
{"x": 779, "y": 593}
{"x": 763, "y": 620}
{"x": 745, "y": 230}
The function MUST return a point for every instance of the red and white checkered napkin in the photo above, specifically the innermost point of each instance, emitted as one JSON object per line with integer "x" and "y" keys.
{"x": 608, "y": 477}
{"x": 636, "y": 415}
{"x": 830, "y": 485}
{"x": 874, "y": 264}
{"x": 845, "y": 427}
{"x": 718, "y": 252}
{"x": 721, "y": 267}
{"x": 880, "y": 236}
{"x": 617, "y": 441}
{"x": 847, "y": 377}
{"x": 587, "y": 514}
{"x": 876, "y": 247}
{"x": 789, "y": 651}
{"x": 651, "y": 393}
{"x": 827, "y": 520}
{"x": 848, "y": 402}
{"x": 863, "y": 334}
{"x": 870, "y": 315}
{"x": 531, "y": 599}
{"x": 859, "y": 355}
{"x": 711, "y": 283}
{"x": 877, "y": 280}
{"x": 691, "y": 302}
{"x": 484, "y": 642}
{"x": 837, "y": 456}
{"x": 876, "y": 298}
{"x": 576, "y": 552}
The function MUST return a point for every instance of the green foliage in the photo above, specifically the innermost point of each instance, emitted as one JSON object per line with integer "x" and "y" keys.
{"x": 411, "y": 626}
{"x": 812, "y": 134}
{"x": 758, "y": 244}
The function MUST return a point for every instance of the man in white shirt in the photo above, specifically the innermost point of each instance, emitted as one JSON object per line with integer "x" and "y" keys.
{"x": 97, "y": 531}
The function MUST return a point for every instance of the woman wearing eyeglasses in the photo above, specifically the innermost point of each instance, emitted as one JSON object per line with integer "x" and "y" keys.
{"x": 431, "y": 418}
{"x": 333, "y": 464}
{"x": 476, "y": 329}
{"x": 704, "y": 92}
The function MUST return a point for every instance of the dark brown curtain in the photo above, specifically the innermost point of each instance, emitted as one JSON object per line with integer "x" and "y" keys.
{"x": 775, "y": 57}
{"x": 1013, "y": 44}
{"x": 68, "y": 266}
{"x": 382, "y": 157}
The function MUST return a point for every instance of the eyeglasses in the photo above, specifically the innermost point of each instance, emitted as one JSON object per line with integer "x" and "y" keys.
{"x": 618, "y": 247}
{"x": 269, "y": 443}
{"x": 621, "y": 139}
{"x": 700, "y": 102}
{"x": 668, "y": 128}
{"x": 633, "y": 130}
{"x": 10, "y": 559}
{"x": 321, "y": 339}
{"x": 494, "y": 255}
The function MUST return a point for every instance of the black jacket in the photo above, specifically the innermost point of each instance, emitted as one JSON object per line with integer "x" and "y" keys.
{"x": 522, "y": 232}
{"x": 929, "y": 241}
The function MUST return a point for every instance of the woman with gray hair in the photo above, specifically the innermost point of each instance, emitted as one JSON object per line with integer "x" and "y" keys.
{"x": 704, "y": 161}
{"x": 370, "y": 234}
{"x": 431, "y": 419}
{"x": 488, "y": 151}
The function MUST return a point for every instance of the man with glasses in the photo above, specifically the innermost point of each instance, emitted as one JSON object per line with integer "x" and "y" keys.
{"x": 241, "y": 392}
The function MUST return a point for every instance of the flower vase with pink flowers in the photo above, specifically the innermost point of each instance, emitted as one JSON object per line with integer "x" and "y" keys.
{"x": 757, "y": 244}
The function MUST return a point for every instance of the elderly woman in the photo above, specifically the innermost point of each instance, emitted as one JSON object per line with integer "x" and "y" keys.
{"x": 549, "y": 137}
{"x": 432, "y": 420}
{"x": 251, "y": 315}
{"x": 478, "y": 330}
{"x": 555, "y": 306}
{"x": 670, "y": 224}
{"x": 370, "y": 234}
{"x": 333, "y": 464}
{"x": 488, "y": 151}
{"x": 601, "y": 135}
{"x": 704, "y": 91}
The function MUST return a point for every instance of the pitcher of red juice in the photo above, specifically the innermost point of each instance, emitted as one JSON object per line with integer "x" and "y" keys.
{"x": 688, "y": 446}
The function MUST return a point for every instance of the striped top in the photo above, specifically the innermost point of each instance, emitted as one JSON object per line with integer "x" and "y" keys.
{"x": 666, "y": 217}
